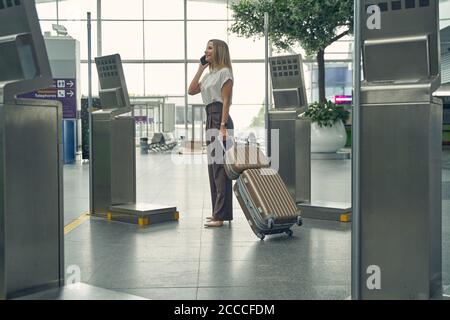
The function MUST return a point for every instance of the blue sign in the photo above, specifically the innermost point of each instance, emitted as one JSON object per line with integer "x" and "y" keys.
{"x": 63, "y": 90}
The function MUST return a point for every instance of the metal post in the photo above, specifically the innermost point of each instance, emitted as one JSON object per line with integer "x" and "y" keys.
{"x": 89, "y": 30}
{"x": 356, "y": 220}
{"x": 99, "y": 28}
{"x": 143, "y": 46}
{"x": 57, "y": 12}
{"x": 185, "y": 72}
{"x": 270, "y": 91}
{"x": 266, "y": 80}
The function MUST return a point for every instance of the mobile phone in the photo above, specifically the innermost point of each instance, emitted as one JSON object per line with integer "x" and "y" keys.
{"x": 203, "y": 60}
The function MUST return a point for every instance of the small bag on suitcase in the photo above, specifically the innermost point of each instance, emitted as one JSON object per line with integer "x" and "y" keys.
{"x": 241, "y": 157}
{"x": 266, "y": 202}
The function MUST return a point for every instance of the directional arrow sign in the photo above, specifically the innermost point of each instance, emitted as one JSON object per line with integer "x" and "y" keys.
{"x": 62, "y": 90}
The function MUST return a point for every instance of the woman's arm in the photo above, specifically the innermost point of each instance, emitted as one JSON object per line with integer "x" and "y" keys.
{"x": 194, "y": 87}
{"x": 227, "y": 93}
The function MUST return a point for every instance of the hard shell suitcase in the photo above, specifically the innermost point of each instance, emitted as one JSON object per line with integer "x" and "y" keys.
{"x": 266, "y": 202}
{"x": 241, "y": 157}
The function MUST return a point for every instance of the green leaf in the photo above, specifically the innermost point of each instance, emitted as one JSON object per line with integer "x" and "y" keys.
{"x": 326, "y": 114}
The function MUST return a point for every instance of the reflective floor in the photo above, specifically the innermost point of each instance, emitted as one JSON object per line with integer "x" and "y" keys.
{"x": 183, "y": 260}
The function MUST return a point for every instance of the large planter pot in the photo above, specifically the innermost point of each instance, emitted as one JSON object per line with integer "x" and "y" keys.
{"x": 328, "y": 139}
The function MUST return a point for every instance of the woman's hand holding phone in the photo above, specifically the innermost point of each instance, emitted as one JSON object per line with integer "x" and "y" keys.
{"x": 203, "y": 60}
{"x": 203, "y": 63}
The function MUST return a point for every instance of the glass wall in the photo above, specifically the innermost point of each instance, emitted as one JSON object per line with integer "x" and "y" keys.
{"x": 444, "y": 13}
{"x": 156, "y": 49}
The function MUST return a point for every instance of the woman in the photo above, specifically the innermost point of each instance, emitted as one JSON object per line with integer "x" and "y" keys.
{"x": 216, "y": 88}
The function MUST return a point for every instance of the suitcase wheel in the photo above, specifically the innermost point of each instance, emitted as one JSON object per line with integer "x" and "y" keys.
{"x": 270, "y": 223}
{"x": 289, "y": 232}
{"x": 299, "y": 221}
{"x": 261, "y": 236}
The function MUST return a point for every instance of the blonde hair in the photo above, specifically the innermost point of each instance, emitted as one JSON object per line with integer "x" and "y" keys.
{"x": 221, "y": 55}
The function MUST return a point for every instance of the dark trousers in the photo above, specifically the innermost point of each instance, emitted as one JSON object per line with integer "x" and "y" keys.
{"x": 220, "y": 184}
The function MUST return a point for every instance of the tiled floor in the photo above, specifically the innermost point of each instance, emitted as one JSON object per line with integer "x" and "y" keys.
{"x": 186, "y": 261}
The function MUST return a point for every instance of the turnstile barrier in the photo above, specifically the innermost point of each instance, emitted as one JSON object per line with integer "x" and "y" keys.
{"x": 31, "y": 192}
{"x": 113, "y": 153}
{"x": 294, "y": 132}
{"x": 400, "y": 153}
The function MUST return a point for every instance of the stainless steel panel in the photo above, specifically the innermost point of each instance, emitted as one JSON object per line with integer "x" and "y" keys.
{"x": 31, "y": 201}
{"x": 143, "y": 208}
{"x": 101, "y": 165}
{"x": 326, "y": 210}
{"x": 123, "y": 164}
{"x": 400, "y": 154}
{"x": 435, "y": 200}
{"x": 113, "y": 162}
{"x": 31, "y": 210}
{"x": 287, "y": 72}
{"x": 288, "y": 98}
{"x": 112, "y": 98}
{"x": 401, "y": 199}
{"x": 420, "y": 20}
{"x": 20, "y": 32}
{"x": 288, "y": 82}
{"x": 283, "y": 115}
{"x": 294, "y": 152}
{"x": 303, "y": 160}
{"x": 396, "y": 93}
{"x": 112, "y": 78}
{"x": 110, "y": 114}
{"x": 81, "y": 291}
{"x": 386, "y": 59}
{"x": 13, "y": 51}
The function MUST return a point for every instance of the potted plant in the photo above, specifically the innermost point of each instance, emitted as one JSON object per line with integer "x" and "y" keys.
{"x": 328, "y": 133}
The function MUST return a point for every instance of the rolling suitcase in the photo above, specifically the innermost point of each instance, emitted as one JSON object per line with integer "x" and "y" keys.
{"x": 266, "y": 202}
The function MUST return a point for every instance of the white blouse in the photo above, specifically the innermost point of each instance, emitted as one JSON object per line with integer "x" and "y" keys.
{"x": 212, "y": 83}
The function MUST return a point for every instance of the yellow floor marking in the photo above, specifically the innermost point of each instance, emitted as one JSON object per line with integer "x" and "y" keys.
{"x": 76, "y": 223}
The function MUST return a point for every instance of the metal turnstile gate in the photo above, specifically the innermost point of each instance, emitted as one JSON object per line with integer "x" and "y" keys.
{"x": 113, "y": 157}
{"x": 31, "y": 189}
{"x": 292, "y": 143}
{"x": 397, "y": 235}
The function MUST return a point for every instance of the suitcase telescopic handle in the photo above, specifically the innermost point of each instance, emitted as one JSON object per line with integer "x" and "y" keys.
{"x": 223, "y": 146}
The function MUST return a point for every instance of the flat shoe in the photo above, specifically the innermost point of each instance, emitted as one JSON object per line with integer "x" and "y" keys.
{"x": 212, "y": 219}
{"x": 214, "y": 224}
